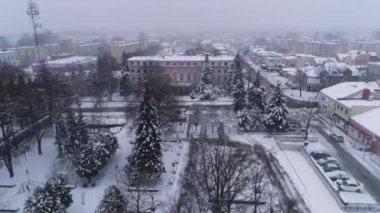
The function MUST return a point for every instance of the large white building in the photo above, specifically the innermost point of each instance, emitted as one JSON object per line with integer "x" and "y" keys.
{"x": 180, "y": 70}
{"x": 9, "y": 57}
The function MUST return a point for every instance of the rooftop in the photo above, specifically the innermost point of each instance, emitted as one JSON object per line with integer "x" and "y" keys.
{"x": 345, "y": 89}
{"x": 368, "y": 120}
{"x": 360, "y": 102}
{"x": 74, "y": 60}
{"x": 181, "y": 58}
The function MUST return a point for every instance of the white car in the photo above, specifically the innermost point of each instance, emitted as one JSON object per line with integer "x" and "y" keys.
{"x": 349, "y": 185}
{"x": 331, "y": 167}
{"x": 327, "y": 160}
{"x": 338, "y": 175}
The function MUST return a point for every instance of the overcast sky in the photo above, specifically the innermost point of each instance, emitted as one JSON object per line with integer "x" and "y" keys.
{"x": 193, "y": 15}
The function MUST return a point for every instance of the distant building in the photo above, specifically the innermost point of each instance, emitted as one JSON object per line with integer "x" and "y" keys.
{"x": 9, "y": 57}
{"x": 86, "y": 49}
{"x": 71, "y": 64}
{"x": 118, "y": 47}
{"x": 179, "y": 70}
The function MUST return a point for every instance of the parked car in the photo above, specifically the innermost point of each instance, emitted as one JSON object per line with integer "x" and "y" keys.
{"x": 327, "y": 160}
{"x": 362, "y": 148}
{"x": 291, "y": 86}
{"x": 349, "y": 185}
{"x": 337, "y": 138}
{"x": 338, "y": 175}
{"x": 319, "y": 154}
{"x": 331, "y": 167}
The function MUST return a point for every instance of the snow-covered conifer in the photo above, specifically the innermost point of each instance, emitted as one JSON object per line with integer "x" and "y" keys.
{"x": 113, "y": 201}
{"x": 275, "y": 118}
{"x": 146, "y": 155}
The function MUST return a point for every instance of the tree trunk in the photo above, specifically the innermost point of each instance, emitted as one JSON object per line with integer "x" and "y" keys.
{"x": 7, "y": 157}
{"x": 39, "y": 146}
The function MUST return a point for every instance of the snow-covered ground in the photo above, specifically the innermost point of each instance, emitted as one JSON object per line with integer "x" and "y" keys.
{"x": 40, "y": 168}
{"x": 300, "y": 171}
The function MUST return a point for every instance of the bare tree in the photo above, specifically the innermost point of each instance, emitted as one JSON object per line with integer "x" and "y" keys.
{"x": 219, "y": 176}
{"x": 7, "y": 131}
{"x": 258, "y": 175}
{"x": 40, "y": 133}
{"x": 140, "y": 198}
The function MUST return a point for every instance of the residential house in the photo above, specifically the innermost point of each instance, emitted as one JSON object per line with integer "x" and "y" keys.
{"x": 346, "y": 99}
{"x": 365, "y": 128}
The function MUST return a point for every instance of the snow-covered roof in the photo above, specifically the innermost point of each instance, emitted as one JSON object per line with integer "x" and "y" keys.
{"x": 345, "y": 89}
{"x": 290, "y": 70}
{"x": 74, "y": 60}
{"x": 321, "y": 60}
{"x": 369, "y": 120}
{"x": 311, "y": 71}
{"x": 181, "y": 58}
{"x": 337, "y": 68}
{"x": 5, "y": 52}
{"x": 360, "y": 102}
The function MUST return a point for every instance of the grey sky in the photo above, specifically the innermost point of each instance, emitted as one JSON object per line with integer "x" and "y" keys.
{"x": 193, "y": 15}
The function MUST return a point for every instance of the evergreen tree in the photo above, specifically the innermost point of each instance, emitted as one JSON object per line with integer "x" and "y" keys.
{"x": 275, "y": 118}
{"x": 82, "y": 132}
{"x": 239, "y": 94}
{"x": 88, "y": 163}
{"x": 60, "y": 136}
{"x": 53, "y": 197}
{"x": 58, "y": 186}
{"x": 146, "y": 155}
{"x": 206, "y": 90}
{"x": 42, "y": 201}
{"x": 113, "y": 201}
{"x": 231, "y": 80}
{"x": 125, "y": 77}
{"x": 94, "y": 155}
{"x": 257, "y": 95}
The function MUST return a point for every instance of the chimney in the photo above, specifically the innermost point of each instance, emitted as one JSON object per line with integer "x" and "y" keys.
{"x": 365, "y": 94}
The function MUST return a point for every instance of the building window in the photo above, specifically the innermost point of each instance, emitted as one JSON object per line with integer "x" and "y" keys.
{"x": 346, "y": 111}
{"x": 188, "y": 78}
{"x": 139, "y": 79}
{"x": 132, "y": 70}
{"x": 181, "y": 77}
{"x": 219, "y": 63}
{"x": 188, "y": 63}
{"x": 175, "y": 77}
{"x": 212, "y": 63}
{"x": 138, "y": 71}
{"x": 181, "y": 64}
{"x": 138, "y": 63}
{"x": 219, "y": 71}
{"x": 195, "y": 77}
{"x": 195, "y": 63}
{"x": 167, "y": 63}
{"x": 225, "y": 64}
{"x": 174, "y": 64}
{"x": 144, "y": 63}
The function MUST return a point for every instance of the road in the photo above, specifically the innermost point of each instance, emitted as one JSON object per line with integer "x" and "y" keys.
{"x": 370, "y": 182}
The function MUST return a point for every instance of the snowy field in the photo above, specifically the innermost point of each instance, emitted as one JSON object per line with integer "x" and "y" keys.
{"x": 41, "y": 167}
